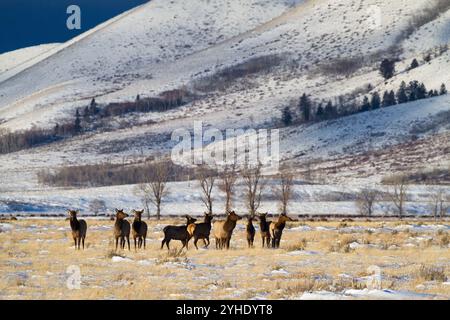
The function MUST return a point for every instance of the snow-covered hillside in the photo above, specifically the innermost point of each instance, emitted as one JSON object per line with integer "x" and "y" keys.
{"x": 165, "y": 45}
{"x": 16, "y": 58}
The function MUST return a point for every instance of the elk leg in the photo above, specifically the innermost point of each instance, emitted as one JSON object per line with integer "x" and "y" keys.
{"x": 145, "y": 236}
{"x": 128, "y": 241}
{"x": 117, "y": 243}
{"x": 167, "y": 244}
{"x": 75, "y": 240}
{"x": 83, "y": 242}
{"x": 195, "y": 243}
{"x": 134, "y": 244}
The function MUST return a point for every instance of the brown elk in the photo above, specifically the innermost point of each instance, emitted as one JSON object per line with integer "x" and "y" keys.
{"x": 203, "y": 230}
{"x": 264, "y": 228}
{"x": 250, "y": 231}
{"x": 139, "y": 229}
{"x": 180, "y": 233}
{"x": 79, "y": 228}
{"x": 121, "y": 229}
{"x": 276, "y": 229}
{"x": 223, "y": 230}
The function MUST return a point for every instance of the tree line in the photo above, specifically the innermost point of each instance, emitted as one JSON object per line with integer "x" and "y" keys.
{"x": 308, "y": 110}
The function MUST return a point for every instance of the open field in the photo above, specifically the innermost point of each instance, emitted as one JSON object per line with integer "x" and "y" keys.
{"x": 317, "y": 259}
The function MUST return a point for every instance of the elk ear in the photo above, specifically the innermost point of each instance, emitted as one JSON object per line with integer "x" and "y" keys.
{"x": 117, "y": 210}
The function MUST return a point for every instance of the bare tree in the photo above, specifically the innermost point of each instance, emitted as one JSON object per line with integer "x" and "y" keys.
{"x": 157, "y": 187}
{"x": 284, "y": 191}
{"x": 97, "y": 205}
{"x": 227, "y": 182}
{"x": 398, "y": 194}
{"x": 143, "y": 191}
{"x": 445, "y": 206}
{"x": 365, "y": 201}
{"x": 206, "y": 178}
{"x": 254, "y": 187}
{"x": 439, "y": 203}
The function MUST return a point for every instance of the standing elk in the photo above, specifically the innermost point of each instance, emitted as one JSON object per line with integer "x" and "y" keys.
{"x": 264, "y": 228}
{"x": 276, "y": 229}
{"x": 181, "y": 233}
{"x": 79, "y": 228}
{"x": 121, "y": 229}
{"x": 203, "y": 230}
{"x": 250, "y": 231}
{"x": 223, "y": 230}
{"x": 139, "y": 229}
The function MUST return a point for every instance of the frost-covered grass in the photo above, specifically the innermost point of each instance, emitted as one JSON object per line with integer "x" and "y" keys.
{"x": 35, "y": 255}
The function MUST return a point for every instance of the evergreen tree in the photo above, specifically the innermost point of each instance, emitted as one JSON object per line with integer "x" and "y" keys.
{"x": 77, "y": 125}
{"x": 392, "y": 98}
{"x": 286, "y": 116}
{"x": 375, "y": 103}
{"x": 421, "y": 92}
{"x": 93, "y": 107}
{"x": 56, "y": 130}
{"x": 365, "y": 104}
{"x": 320, "y": 113}
{"x": 402, "y": 96}
{"x": 329, "y": 110}
{"x": 86, "y": 113}
{"x": 414, "y": 64}
{"x": 386, "y": 100}
{"x": 443, "y": 90}
{"x": 305, "y": 107}
{"x": 387, "y": 69}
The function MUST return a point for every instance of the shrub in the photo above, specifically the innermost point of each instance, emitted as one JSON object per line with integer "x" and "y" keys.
{"x": 432, "y": 273}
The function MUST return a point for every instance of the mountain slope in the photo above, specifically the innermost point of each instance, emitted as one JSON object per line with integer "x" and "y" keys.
{"x": 161, "y": 46}
{"x": 126, "y": 48}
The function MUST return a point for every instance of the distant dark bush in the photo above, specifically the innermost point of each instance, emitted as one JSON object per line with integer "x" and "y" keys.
{"x": 108, "y": 174}
{"x": 225, "y": 78}
{"x": 342, "y": 66}
{"x": 164, "y": 102}
{"x": 20, "y": 140}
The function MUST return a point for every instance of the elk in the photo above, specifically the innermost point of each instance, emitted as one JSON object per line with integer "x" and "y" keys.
{"x": 139, "y": 229}
{"x": 79, "y": 228}
{"x": 264, "y": 228}
{"x": 121, "y": 229}
{"x": 276, "y": 229}
{"x": 223, "y": 230}
{"x": 250, "y": 231}
{"x": 180, "y": 233}
{"x": 203, "y": 230}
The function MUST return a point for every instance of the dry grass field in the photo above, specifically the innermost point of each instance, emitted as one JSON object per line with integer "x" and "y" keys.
{"x": 328, "y": 259}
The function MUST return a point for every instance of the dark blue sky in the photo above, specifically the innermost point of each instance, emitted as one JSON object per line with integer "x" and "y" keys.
{"x": 25, "y": 23}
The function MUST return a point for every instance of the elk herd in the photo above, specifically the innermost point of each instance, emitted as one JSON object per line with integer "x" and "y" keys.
{"x": 222, "y": 230}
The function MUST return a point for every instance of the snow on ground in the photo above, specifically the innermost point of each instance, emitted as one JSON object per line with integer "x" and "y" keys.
{"x": 365, "y": 294}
